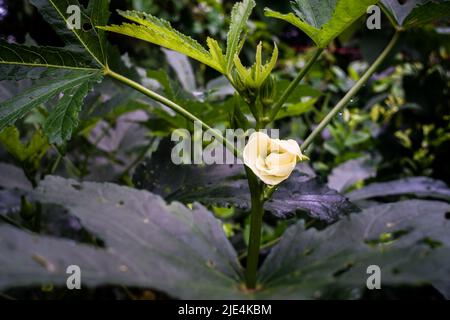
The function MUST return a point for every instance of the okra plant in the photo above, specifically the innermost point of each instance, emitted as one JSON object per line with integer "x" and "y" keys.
{"x": 163, "y": 238}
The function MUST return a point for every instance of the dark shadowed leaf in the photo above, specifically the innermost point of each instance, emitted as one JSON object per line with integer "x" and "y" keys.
{"x": 19, "y": 61}
{"x": 301, "y": 192}
{"x": 12, "y": 177}
{"x": 87, "y": 40}
{"x": 347, "y": 174}
{"x": 29, "y": 259}
{"x": 13, "y": 184}
{"x": 225, "y": 185}
{"x": 400, "y": 238}
{"x": 421, "y": 187}
{"x": 147, "y": 243}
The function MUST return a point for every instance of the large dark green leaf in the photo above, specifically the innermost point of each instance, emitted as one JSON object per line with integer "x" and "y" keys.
{"x": 185, "y": 253}
{"x": 20, "y": 61}
{"x": 414, "y": 13}
{"x": 408, "y": 240}
{"x": 28, "y": 259}
{"x": 85, "y": 48}
{"x": 181, "y": 251}
{"x": 88, "y": 39}
{"x": 70, "y": 71}
{"x": 225, "y": 185}
{"x": 75, "y": 83}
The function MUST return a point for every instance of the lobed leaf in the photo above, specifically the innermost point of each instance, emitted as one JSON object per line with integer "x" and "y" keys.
{"x": 64, "y": 117}
{"x": 399, "y": 238}
{"x": 314, "y": 18}
{"x": 59, "y": 81}
{"x": 422, "y": 187}
{"x": 415, "y": 13}
{"x": 21, "y": 61}
{"x": 160, "y": 32}
{"x": 350, "y": 172}
{"x": 239, "y": 16}
{"x": 148, "y": 243}
{"x": 225, "y": 185}
{"x": 88, "y": 40}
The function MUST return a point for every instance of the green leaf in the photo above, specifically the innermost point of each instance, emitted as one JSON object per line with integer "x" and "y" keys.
{"x": 301, "y": 101}
{"x": 85, "y": 48}
{"x": 59, "y": 81}
{"x": 29, "y": 153}
{"x": 255, "y": 76}
{"x": 239, "y": 16}
{"x": 315, "y": 12}
{"x": 160, "y": 32}
{"x": 422, "y": 187}
{"x": 69, "y": 71}
{"x": 323, "y": 21}
{"x": 415, "y": 13}
{"x": 147, "y": 243}
{"x": 64, "y": 118}
{"x": 21, "y": 61}
{"x": 408, "y": 240}
{"x": 87, "y": 40}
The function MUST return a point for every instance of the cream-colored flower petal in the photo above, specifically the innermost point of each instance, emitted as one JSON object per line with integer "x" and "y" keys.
{"x": 290, "y": 146}
{"x": 256, "y": 146}
{"x": 279, "y": 159}
{"x": 271, "y": 160}
{"x": 284, "y": 170}
{"x": 272, "y": 180}
{"x": 278, "y": 171}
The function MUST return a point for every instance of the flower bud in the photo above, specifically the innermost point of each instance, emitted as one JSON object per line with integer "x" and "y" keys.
{"x": 268, "y": 92}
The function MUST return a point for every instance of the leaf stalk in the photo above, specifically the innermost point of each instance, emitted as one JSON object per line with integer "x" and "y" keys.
{"x": 353, "y": 91}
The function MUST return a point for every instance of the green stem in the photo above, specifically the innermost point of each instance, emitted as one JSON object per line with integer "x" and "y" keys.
{"x": 172, "y": 105}
{"x": 353, "y": 91}
{"x": 256, "y": 217}
{"x": 293, "y": 85}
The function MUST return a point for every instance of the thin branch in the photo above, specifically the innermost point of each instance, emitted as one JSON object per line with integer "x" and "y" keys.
{"x": 353, "y": 91}
{"x": 293, "y": 85}
{"x": 172, "y": 105}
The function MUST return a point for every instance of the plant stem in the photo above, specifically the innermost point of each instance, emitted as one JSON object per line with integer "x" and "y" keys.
{"x": 293, "y": 85}
{"x": 264, "y": 246}
{"x": 353, "y": 91}
{"x": 172, "y": 105}
{"x": 256, "y": 217}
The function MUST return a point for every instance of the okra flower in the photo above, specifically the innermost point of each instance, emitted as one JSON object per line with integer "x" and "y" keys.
{"x": 271, "y": 160}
